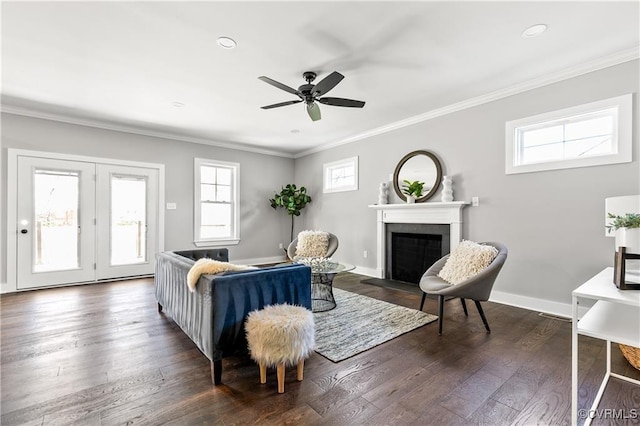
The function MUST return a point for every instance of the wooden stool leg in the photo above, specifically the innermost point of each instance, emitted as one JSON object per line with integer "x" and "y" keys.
{"x": 280, "y": 378}
{"x": 301, "y": 370}
{"x": 263, "y": 373}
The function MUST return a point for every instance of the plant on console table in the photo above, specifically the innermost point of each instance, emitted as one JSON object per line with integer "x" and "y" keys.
{"x": 412, "y": 190}
{"x": 291, "y": 198}
{"x": 627, "y": 229}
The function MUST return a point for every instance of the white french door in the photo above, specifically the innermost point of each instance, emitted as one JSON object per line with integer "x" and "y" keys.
{"x": 83, "y": 221}
{"x": 127, "y": 220}
{"x": 56, "y": 232}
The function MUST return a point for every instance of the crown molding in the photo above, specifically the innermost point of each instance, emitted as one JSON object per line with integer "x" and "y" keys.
{"x": 10, "y": 109}
{"x": 598, "y": 64}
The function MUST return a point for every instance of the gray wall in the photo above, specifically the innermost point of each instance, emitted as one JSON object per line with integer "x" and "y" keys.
{"x": 552, "y": 222}
{"x": 262, "y": 228}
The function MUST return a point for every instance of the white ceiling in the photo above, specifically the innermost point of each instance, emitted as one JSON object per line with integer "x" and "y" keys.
{"x": 123, "y": 64}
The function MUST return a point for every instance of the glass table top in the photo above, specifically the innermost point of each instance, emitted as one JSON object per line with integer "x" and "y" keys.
{"x": 325, "y": 266}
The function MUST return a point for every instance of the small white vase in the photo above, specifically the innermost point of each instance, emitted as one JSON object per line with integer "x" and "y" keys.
{"x": 447, "y": 189}
{"x": 629, "y": 238}
{"x": 382, "y": 193}
{"x": 411, "y": 199}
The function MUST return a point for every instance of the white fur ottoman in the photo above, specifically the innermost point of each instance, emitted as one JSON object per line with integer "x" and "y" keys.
{"x": 279, "y": 335}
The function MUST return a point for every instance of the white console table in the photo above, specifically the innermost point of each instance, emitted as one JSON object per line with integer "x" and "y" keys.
{"x": 615, "y": 317}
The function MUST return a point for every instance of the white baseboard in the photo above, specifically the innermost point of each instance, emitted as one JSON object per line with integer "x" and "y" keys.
{"x": 370, "y": 272}
{"x": 535, "y": 304}
{"x": 525, "y": 302}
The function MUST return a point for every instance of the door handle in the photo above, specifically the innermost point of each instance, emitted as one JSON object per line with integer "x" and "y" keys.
{"x": 23, "y": 231}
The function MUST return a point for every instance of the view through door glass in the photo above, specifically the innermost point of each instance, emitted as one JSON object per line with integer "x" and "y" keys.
{"x": 128, "y": 220}
{"x": 56, "y": 236}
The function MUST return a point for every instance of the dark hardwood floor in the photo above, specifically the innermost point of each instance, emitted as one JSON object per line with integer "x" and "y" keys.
{"x": 102, "y": 354}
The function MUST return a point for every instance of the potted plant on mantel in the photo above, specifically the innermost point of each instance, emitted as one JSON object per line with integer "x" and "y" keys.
{"x": 627, "y": 229}
{"x": 412, "y": 190}
{"x": 291, "y": 198}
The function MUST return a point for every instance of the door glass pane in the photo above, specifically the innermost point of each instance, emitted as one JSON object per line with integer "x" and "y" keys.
{"x": 128, "y": 220}
{"x": 55, "y": 231}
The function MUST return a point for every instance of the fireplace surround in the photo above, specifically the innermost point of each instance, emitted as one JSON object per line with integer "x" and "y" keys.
{"x": 434, "y": 213}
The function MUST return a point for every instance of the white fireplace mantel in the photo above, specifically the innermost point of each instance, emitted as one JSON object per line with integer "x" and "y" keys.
{"x": 449, "y": 213}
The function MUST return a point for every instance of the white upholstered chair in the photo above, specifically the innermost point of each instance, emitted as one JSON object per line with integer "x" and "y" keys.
{"x": 331, "y": 249}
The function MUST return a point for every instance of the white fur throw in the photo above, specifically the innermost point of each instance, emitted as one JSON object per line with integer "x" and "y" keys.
{"x": 210, "y": 266}
{"x": 312, "y": 244}
{"x": 467, "y": 260}
{"x": 280, "y": 334}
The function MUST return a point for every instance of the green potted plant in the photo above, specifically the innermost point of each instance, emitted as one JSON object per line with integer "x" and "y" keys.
{"x": 412, "y": 190}
{"x": 291, "y": 198}
{"x": 627, "y": 229}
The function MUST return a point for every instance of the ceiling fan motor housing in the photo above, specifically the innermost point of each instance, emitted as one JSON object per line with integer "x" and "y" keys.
{"x": 305, "y": 91}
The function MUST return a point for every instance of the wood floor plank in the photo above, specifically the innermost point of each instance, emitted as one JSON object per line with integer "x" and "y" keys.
{"x": 492, "y": 413}
{"x": 466, "y": 398}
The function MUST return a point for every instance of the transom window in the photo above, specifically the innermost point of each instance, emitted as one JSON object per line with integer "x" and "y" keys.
{"x": 341, "y": 175}
{"x": 216, "y": 206}
{"x": 586, "y": 135}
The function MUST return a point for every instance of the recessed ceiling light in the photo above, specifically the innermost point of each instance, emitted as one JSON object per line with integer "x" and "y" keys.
{"x": 177, "y": 104}
{"x": 226, "y": 42}
{"x": 534, "y": 30}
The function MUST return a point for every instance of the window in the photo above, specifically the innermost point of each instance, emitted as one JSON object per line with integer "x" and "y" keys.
{"x": 216, "y": 203}
{"x": 586, "y": 135}
{"x": 341, "y": 175}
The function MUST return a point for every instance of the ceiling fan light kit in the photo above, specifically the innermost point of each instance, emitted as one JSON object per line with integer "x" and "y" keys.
{"x": 310, "y": 93}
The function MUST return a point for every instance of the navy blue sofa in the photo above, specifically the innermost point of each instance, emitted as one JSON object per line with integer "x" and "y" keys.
{"x": 213, "y": 316}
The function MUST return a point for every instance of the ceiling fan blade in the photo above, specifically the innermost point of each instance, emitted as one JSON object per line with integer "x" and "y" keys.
{"x": 279, "y": 85}
{"x": 281, "y": 104}
{"x": 327, "y": 83}
{"x": 351, "y": 103}
{"x": 314, "y": 111}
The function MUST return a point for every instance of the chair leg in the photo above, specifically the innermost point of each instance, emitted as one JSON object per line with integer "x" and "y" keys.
{"x": 424, "y": 296}
{"x": 464, "y": 307}
{"x": 484, "y": 319}
{"x": 263, "y": 373}
{"x": 440, "y": 313}
{"x": 280, "y": 374}
{"x": 301, "y": 370}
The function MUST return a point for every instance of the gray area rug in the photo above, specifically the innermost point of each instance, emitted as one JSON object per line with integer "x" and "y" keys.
{"x": 359, "y": 323}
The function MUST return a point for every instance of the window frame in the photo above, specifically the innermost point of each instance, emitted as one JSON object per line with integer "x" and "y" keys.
{"x": 234, "y": 238}
{"x": 621, "y": 140}
{"x": 328, "y": 167}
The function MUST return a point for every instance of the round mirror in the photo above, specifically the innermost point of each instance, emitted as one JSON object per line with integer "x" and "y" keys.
{"x": 422, "y": 166}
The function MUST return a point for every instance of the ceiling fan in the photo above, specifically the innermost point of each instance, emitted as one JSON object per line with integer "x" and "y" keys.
{"x": 310, "y": 93}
